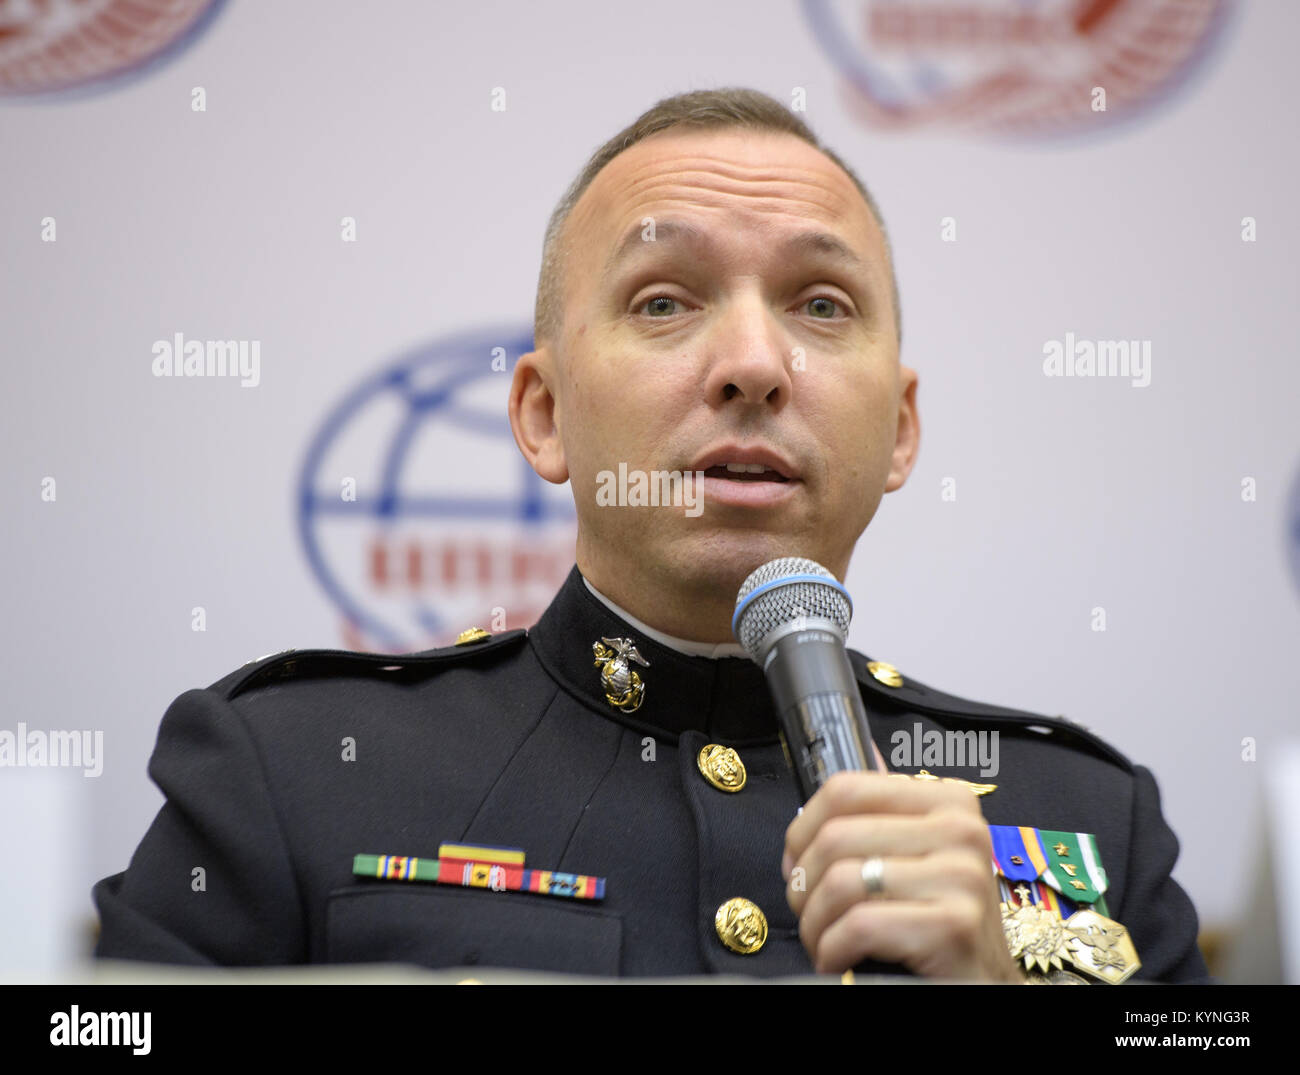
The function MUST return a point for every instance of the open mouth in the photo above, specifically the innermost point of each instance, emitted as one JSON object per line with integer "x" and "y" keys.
{"x": 744, "y": 472}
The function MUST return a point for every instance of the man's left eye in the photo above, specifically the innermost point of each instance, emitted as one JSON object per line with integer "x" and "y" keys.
{"x": 822, "y": 307}
{"x": 660, "y": 306}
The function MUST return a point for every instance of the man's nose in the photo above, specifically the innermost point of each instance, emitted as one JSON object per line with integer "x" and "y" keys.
{"x": 749, "y": 359}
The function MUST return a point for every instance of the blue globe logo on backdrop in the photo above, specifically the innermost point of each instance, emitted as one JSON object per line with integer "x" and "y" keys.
{"x": 416, "y": 511}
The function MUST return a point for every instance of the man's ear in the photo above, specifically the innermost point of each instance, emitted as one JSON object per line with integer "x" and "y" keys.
{"x": 908, "y": 440}
{"x": 533, "y": 418}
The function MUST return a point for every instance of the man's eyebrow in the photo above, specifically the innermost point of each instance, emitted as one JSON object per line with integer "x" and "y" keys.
{"x": 664, "y": 231}
{"x": 680, "y": 231}
{"x": 821, "y": 242}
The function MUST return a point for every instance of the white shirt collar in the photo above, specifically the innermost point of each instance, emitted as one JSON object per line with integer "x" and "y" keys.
{"x": 681, "y": 645}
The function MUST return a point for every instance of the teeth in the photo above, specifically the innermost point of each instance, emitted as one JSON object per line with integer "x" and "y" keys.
{"x": 746, "y": 468}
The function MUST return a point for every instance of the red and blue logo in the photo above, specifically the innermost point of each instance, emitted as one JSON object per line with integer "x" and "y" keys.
{"x": 417, "y": 513}
{"x": 1013, "y": 68}
{"x": 87, "y": 46}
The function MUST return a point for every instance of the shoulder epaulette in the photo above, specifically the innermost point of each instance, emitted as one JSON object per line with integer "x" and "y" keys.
{"x": 298, "y": 664}
{"x": 884, "y": 682}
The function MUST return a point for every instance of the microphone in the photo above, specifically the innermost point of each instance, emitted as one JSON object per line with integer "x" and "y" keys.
{"x": 792, "y": 618}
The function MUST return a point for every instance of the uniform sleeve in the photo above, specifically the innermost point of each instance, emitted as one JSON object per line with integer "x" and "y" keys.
{"x": 245, "y": 907}
{"x": 1156, "y": 911}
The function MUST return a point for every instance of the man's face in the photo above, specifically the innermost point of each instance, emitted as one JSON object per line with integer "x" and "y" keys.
{"x": 727, "y": 300}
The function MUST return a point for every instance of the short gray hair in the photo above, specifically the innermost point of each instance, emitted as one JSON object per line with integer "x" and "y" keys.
{"x": 698, "y": 110}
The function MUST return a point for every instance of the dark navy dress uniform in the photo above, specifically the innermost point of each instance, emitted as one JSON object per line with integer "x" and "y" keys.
{"x": 512, "y": 742}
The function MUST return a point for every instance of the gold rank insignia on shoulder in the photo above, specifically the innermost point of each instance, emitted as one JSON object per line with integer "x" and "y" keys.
{"x": 471, "y": 635}
{"x": 623, "y": 687}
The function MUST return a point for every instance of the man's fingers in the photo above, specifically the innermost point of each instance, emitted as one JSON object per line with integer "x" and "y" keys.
{"x": 856, "y": 839}
{"x": 840, "y": 889}
{"x": 930, "y": 878}
{"x": 872, "y": 793}
{"x": 936, "y": 910}
{"x": 935, "y": 939}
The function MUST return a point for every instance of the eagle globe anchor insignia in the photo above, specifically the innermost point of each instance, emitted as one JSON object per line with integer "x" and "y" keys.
{"x": 623, "y": 687}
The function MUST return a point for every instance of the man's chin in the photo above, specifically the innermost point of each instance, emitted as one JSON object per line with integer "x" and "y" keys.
{"x": 724, "y": 561}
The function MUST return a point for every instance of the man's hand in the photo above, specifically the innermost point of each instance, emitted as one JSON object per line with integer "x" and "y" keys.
{"x": 937, "y": 912}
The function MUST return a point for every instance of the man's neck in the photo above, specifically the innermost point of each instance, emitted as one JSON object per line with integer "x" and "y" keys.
{"x": 703, "y": 616}
{"x": 682, "y": 645}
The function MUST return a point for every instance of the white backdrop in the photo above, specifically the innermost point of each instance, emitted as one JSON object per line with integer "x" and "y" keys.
{"x": 1071, "y": 494}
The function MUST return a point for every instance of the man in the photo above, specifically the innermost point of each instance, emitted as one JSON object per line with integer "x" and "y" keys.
{"x": 716, "y": 297}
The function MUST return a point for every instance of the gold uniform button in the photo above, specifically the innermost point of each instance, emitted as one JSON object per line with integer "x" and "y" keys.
{"x": 471, "y": 635}
{"x": 885, "y": 673}
{"x": 721, "y": 766}
{"x": 741, "y": 926}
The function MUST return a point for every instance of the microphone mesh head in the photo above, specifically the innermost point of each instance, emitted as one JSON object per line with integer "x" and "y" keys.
{"x": 786, "y": 601}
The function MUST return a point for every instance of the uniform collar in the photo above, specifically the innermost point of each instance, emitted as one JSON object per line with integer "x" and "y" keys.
{"x": 724, "y": 697}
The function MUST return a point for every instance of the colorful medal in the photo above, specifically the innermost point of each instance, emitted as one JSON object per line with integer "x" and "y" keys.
{"x": 500, "y": 869}
{"x": 1074, "y": 866}
{"x": 1042, "y": 875}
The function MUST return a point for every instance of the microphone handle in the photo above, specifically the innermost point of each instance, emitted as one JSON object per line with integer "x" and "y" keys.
{"x": 818, "y": 706}
{"x": 823, "y": 721}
